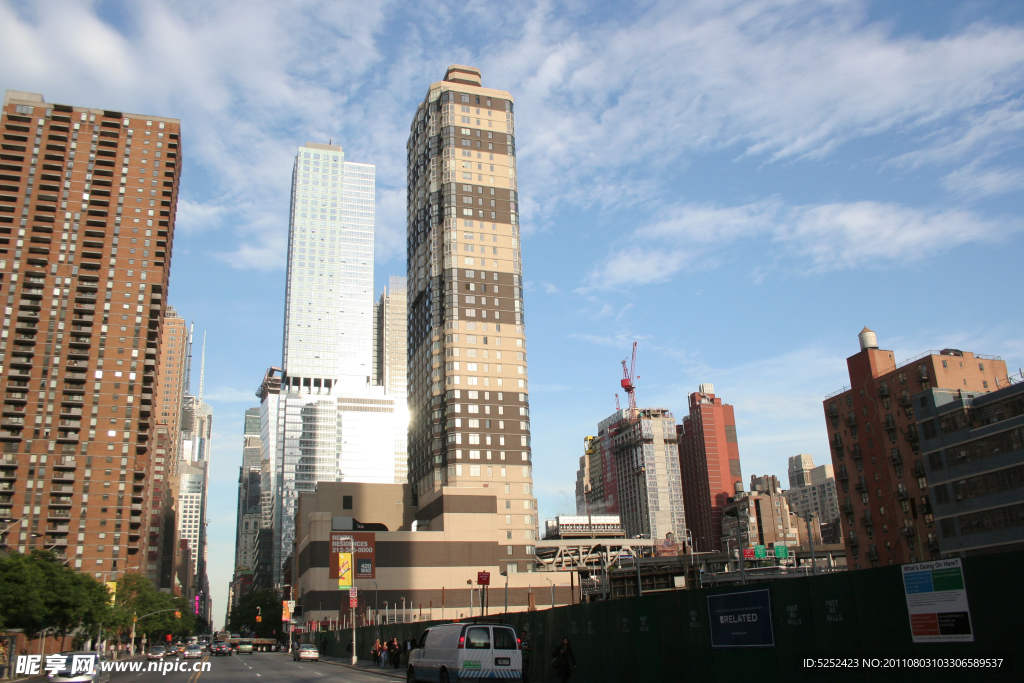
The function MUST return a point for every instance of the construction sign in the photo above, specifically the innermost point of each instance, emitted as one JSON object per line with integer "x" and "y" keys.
{"x": 365, "y": 559}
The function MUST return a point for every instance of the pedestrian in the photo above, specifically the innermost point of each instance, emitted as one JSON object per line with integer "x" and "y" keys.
{"x": 408, "y": 648}
{"x": 564, "y": 660}
{"x": 384, "y": 654}
{"x": 375, "y": 651}
{"x": 527, "y": 652}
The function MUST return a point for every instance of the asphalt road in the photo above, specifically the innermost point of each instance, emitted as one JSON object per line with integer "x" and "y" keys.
{"x": 263, "y": 667}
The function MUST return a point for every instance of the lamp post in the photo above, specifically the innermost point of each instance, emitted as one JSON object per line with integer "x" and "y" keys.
{"x": 376, "y": 615}
{"x": 403, "y": 610}
{"x": 385, "y": 612}
{"x": 552, "y": 590}
{"x": 505, "y": 574}
{"x": 639, "y": 587}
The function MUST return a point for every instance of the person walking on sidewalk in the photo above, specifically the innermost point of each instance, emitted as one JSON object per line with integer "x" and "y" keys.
{"x": 375, "y": 651}
{"x": 384, "y": 654}
{"x": 396, "y": 652}
{"x": 527, "y": 652}
{"x": 564, "y": 660}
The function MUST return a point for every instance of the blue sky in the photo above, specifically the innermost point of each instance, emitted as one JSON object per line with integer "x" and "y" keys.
{"x": 739, "y": 186}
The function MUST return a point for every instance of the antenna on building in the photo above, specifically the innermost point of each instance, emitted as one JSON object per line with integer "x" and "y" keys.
{"x": 202, "y": 370}
{"x": 188, "y": 361}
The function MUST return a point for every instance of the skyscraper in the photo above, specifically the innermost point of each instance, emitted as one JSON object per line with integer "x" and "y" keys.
{"x": 812, "y": 490}
{"x": 88, "y": 210}
{"x": 389, "y": 359}
{"x": 170, "y": 388}
{"x": 322, "y": 416}
{"x": 709, "y": 459}
{"x": 468, "y": 390}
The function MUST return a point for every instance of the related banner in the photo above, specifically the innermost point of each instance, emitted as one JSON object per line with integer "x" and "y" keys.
{"x": 741, "y": 619}
{"x": 937, "y": 602}
{"x": 365, "y": 559}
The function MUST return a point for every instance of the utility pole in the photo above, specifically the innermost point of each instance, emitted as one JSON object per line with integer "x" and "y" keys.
{"x": 810, "y": 538}
{"x": 639, "y": 587}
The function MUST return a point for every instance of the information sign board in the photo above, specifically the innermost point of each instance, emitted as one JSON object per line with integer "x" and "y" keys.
{"x": 781, "y": 552}
{"x": 483, "y": 578}
{"x": 937, "y": 601}
{"x": 748, "y": 554}
{"x": 741, "y": 619}
{"x": 759, "y": 552}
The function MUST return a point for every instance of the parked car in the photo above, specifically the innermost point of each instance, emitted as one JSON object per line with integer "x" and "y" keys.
{"x": 193, "y": 652}
{"x": 156, "y": 652}
{"x": 467, "y": 650}
{"x": 306, "y": 652}
{"x": 73, "y": 670}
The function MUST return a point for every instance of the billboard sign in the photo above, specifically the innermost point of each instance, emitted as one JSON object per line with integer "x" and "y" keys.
{"x": 741, "y": 619}
{"x": 344, "y": 563}
{"x": 365, "y": 559}
{"x": 937, "y": 602}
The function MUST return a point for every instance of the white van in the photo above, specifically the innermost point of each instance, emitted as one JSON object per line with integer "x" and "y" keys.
{"x": 476, "y": 649}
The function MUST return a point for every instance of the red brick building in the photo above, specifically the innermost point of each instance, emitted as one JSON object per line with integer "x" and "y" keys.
{"x": 709, "y": 463}
{"x": 87, "y": 205}
{"x": 883, "y": 497}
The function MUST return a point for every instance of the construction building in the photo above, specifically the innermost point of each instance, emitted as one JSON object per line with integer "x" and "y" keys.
{"x": 876, "y": 453}
{"x": 972, "y": 446}
{"x": 467, "y": 356}
{"x": 87, "y": 208}
{"x": 709, "y": 459}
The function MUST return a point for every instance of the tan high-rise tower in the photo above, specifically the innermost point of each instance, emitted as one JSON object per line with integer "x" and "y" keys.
{"x": 468, "y": 388}
{"x": 87, "y": 206}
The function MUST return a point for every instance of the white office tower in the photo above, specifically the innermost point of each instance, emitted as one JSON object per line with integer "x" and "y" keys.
{"x": 812, "y": 490}
{"x": 329, "y": 414}
{"x": 389, "y": 363}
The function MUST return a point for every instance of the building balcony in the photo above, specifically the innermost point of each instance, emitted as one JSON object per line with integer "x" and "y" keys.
{"x": 890, "y": 423}
{"x": 862, "y": 485}
{"x": 842, "y": 474}
{"x": 58, "y": 513}
{"x": 866, "y": 519}
{"x": 883, "y": 390}
{"x": 58, "y": 529}
{"x": 851, "y": 420}
{"x": 837, "y": 442}
{"x": 922, "y": 375}
{"x": 855, "y": 452}
{"x": 848, "y": 508}
{"x": 911, "y": 434}
{"x": 908, "y": 531}
{"x": 901, "y": 494}
{"x": 873, "y": 553}
{"x": 919, "y": 468}
{"x": 896, "y": 458}
{"x": 832, "y": 411}
{"x": 904, "y": 401}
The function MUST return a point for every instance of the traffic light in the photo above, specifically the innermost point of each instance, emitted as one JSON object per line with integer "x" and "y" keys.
{"x": 177, "y": 615}
{"x": 259, "y": 619}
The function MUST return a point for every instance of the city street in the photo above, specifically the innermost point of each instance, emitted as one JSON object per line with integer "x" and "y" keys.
{"x": 266, "y": 666}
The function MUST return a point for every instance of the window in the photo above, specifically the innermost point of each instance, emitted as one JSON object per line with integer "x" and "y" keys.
{"x": 346, "y": 502}
{"x": 504, "y": 639}
{"x": 981, "y": 366}
{"x": 474, "y": 470}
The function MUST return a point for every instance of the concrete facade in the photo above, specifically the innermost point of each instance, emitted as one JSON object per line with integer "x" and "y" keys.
{"x": 429, "y": 555}
{"x": 973, "y": 449}
{"x": 885, "y": 507}
{"x": 812, "y": 490}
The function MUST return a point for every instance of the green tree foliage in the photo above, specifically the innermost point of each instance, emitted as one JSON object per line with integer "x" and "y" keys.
{"x": 138, "y": 597}
{"x": 244, "y": 614}
{"x": 40, "y": 592}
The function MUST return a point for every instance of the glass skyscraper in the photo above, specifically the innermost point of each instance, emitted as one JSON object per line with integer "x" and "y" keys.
{"x": 328, "y": 416}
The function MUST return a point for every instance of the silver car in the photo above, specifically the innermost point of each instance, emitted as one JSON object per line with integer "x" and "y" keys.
{"x": 78, "y": 667}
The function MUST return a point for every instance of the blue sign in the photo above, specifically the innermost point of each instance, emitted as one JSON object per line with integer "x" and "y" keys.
{"x": 741, "y": 619}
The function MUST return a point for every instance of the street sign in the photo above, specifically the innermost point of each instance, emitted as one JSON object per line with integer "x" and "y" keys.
{"x": 483, "y": 578}
{"x": 748, "y": 553}
{"x": 352, "y": 592}
{"x": 937, "y": 602}
{"x": 759, "y": 552}
{"x": 781, "y": 552}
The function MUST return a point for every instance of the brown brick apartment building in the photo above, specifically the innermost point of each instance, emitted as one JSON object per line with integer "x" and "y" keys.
{"x": 883, "y": 497}
{"x": 87, "y": 204}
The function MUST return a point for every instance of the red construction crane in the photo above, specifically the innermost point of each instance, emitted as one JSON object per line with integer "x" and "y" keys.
{"x": 629, "y": 382}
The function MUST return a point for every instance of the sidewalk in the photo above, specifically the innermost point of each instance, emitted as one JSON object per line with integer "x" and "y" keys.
{"x": 365, "y": 665}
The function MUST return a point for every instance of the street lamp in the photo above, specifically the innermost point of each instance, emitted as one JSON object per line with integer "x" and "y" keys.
{"x": 553, "y": 590}
{"x": 385, "y": 611}
{"x": 376, "y": 614}
{"x": 403, "y": 610}
{"x": 505, "y": 574}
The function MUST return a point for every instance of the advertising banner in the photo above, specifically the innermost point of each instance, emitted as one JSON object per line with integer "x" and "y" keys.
{"x": 286, "y": 611}
{"x": 937, "y": 602}
{"x": 741, "y": 619}
{"x": 365, "y": 559}
{"x": 344, "y": 570}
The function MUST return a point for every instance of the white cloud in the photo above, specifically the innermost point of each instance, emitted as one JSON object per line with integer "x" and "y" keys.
{"x": 824, "y": 237}
{"x": 974, "y": 181}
